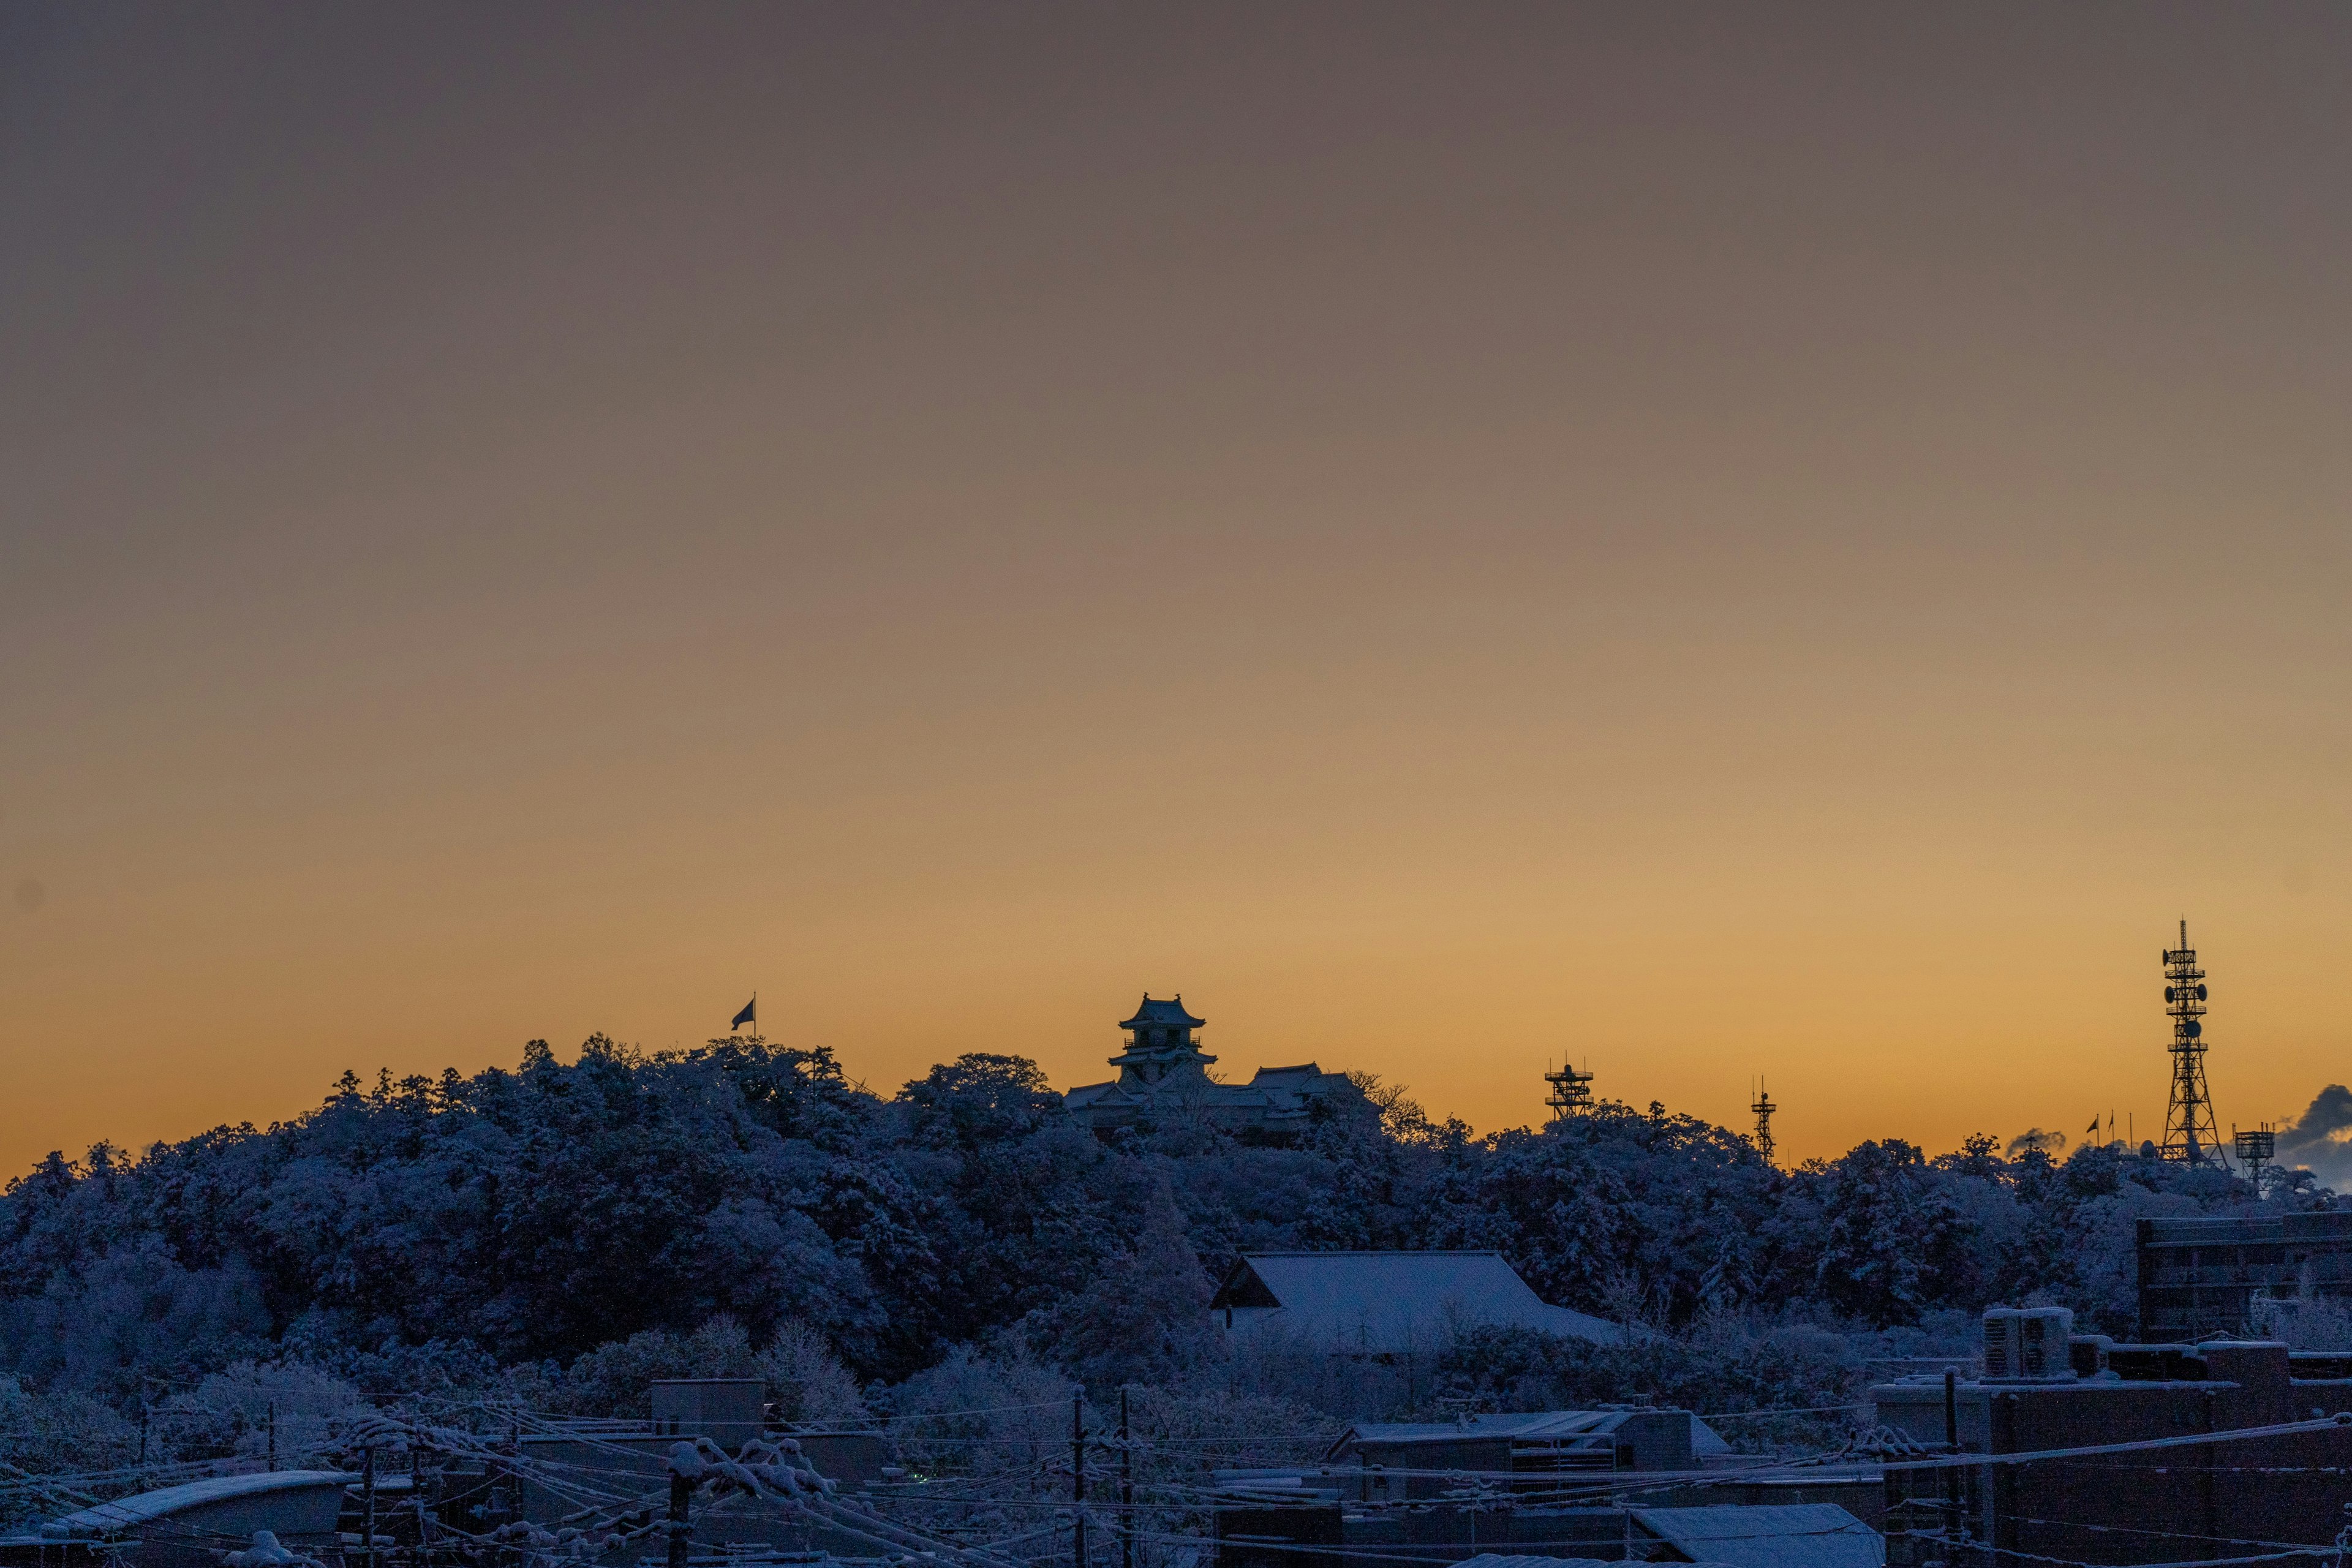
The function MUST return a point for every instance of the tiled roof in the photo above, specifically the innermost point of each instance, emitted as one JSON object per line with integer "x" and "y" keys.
{"x": 1168, "y": 1014}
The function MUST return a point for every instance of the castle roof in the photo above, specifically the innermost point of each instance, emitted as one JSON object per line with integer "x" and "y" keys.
{"x": 1168, "y": 1014}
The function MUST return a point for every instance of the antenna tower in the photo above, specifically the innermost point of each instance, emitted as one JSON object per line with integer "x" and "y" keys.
{"x": 2190, "y": 1133}
{"x": 1572, "y": 1091}
{"x": 1763, "y": 1107}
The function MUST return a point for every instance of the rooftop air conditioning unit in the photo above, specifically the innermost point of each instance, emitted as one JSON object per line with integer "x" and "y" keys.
{"x": 2002, "y": 1344}
{"x": 2046, "y": 1331}
{"x": 2029, "y": 1344}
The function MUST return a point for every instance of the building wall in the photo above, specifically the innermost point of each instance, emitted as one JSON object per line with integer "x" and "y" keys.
{"x": 2196, "y": 1276}
{"x": 2163, "y": 1505}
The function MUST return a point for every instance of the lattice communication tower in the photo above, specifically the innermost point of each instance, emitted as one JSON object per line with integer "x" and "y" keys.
{"x": 1572, "y": 1091}
{"x": 1763, "y": 1107}
{"x": 2190, "y": 1133}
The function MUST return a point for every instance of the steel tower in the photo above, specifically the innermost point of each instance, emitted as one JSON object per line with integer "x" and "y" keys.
{"x": 1763, "y": 1107}
{"x": 2256, "y": 1150}
{"x": 2190, "y": 1133}
{"x": 1572, "y": 1091}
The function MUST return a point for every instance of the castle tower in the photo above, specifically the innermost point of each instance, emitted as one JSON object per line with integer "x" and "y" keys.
{"x": 1160, "y": 1043}
{"x": 2190, "y": 1133}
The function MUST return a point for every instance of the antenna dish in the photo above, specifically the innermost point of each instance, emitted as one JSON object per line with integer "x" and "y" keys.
{"x": 2201, "y": 994}
{"x": 2195, "y": 1028}
{"x": 2167, "y": 993}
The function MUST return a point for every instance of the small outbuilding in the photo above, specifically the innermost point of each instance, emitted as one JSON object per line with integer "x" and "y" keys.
{"x": 189, "y": 1525}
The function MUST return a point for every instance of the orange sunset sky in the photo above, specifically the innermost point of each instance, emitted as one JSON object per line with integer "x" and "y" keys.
{"x": 1717, "y": 541}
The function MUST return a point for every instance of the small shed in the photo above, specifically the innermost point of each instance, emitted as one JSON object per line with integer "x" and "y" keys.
{"x": 190, "y": 1524}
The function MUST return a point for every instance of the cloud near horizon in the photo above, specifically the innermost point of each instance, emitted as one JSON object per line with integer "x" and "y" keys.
{"x": 2321, "y": 1138}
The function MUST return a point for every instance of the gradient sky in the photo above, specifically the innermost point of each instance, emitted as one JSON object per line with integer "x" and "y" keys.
{"x": 1714, "y": 541}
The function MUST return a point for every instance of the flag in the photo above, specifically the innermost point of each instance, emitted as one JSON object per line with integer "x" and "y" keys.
{"x": 2094, "y": 1125}
{"x": 749, "y": 1015}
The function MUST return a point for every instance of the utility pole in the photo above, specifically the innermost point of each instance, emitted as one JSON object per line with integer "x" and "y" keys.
{"x": 1077, "y": 1480}
{"x": 367, "y": 1503}
{"x": 681, "y": 1497}
{"x": 511, "y": 1475}
{"x": 1955, "y": 1525}
{"x": 1125, "y": 1489}
{"x": 425, "y": 1488}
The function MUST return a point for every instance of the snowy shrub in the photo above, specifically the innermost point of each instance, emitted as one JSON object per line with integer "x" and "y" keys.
{"x": 616, "y": 1381}
{"x": 2305, "y": 1322}
{"x": 254, "y": 1408}
{"x": 806, "y": 1382}
{"x": 67, "y": 1433}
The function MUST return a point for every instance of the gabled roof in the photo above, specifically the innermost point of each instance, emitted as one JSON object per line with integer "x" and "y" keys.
{"x": 1787, "y": 1535}
{"x": 1168, "y": 1014}
{"x": 1382, "y": 1302}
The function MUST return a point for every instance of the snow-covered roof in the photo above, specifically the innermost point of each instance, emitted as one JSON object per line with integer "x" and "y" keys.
{"x": 1388, "y": 1301}
{"x": 1536, "y": 1425}
{"x": 146, "y": 1508}
{"x": 1497, "y": 1559}
{"x": 1784, "y": 1535}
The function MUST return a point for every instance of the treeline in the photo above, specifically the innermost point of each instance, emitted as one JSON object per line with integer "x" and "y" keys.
{"x": 530, "y": 1223}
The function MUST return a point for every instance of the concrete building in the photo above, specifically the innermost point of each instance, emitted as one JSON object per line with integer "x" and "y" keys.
{"x": 1163, "y": 1077}
{"x": 2172, "y": 1504}
{"x": 2199, "y": 1276}
{"x": 1332, "y": 1534}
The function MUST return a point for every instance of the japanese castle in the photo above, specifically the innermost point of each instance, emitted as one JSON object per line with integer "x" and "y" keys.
{"x": 1163, "y": 1077}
